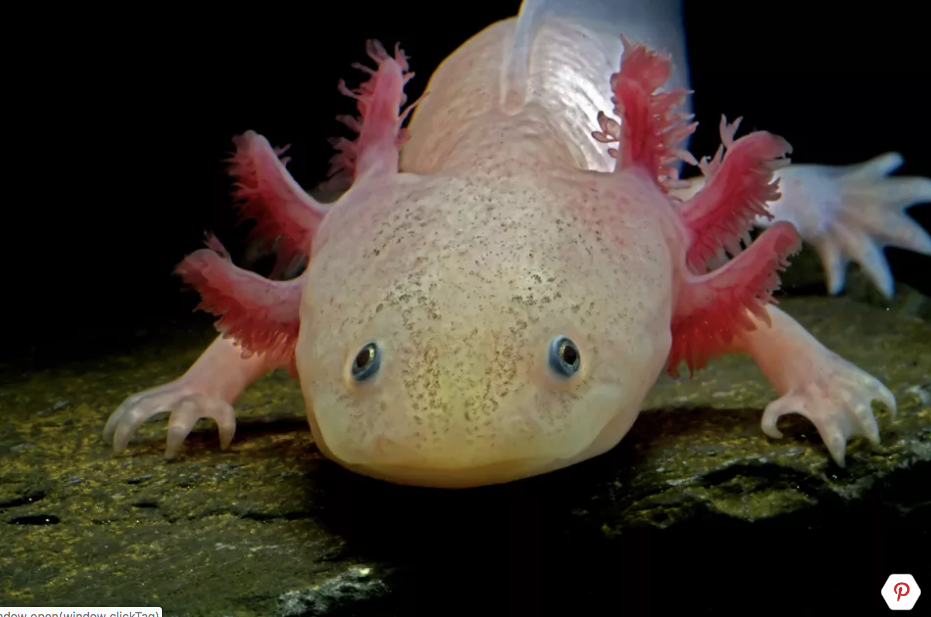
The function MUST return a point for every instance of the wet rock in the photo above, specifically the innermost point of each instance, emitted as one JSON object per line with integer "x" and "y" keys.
{"x": 341, "y": 594}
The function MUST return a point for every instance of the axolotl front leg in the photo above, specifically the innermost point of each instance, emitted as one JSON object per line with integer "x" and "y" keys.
{"x": 725, "y": 308}
{"x": 207, "y": 390}
{"x": 260, "y": 318}
{"x": 721, "y": 313}
{"x": 815, "y": 382}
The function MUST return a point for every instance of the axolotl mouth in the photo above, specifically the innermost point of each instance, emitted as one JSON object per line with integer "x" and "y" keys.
{"x": 393, "y": 462}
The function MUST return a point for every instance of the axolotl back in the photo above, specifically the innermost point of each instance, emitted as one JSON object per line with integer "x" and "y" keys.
{"x": 501, "y": 307}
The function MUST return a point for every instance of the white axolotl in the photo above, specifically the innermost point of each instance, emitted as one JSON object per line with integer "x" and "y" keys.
{"x": 495, "y": 299}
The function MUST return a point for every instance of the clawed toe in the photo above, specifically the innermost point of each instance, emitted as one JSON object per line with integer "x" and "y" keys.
{"x": 840, "y": 408}
{"x": 186, "y": 407}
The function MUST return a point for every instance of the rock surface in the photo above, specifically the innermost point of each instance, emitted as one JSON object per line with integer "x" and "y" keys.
{"x": 271, "y": 528}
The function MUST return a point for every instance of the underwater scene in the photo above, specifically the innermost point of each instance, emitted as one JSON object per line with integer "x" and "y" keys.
{"x": 588, "y": 307}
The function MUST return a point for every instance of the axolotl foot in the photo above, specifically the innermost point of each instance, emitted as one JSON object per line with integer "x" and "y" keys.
{"x": 187, "y": 404}
{"x": 815, "y": 382}
{"x": 206, "y": 390}
{"x": 851, "y": 213}
{"x": 838, "y": 401}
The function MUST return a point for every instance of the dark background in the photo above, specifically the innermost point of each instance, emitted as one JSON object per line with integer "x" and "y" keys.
{"x": 123, "y": 118}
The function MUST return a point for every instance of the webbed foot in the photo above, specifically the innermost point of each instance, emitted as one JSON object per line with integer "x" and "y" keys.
{"x": 850, "y": 213}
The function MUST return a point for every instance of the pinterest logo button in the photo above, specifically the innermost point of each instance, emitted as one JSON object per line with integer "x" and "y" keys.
{"x": 901, "y": 592}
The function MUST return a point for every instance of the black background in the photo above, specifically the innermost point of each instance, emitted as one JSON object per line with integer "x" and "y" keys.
{"x": 122, "y": 119}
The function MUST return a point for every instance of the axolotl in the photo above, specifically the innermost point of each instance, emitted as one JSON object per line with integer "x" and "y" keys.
{"x": 507, "y": 277}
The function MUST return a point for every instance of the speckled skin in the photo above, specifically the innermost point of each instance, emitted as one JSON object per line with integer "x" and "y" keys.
{"x": 463, "y": 281}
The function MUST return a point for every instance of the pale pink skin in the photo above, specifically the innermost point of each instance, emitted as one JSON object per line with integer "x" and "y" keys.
{"x": 504, "y": 231}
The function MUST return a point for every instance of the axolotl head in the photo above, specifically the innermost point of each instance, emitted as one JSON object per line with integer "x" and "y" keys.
{"x": 459, "y": 332}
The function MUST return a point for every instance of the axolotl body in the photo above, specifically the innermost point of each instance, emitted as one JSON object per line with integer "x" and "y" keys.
{"x": 503, "y": 282}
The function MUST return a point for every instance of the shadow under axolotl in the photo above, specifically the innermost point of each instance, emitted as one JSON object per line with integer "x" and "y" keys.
{"x": 365, "y": 510}
{"x": 598, "y": 534}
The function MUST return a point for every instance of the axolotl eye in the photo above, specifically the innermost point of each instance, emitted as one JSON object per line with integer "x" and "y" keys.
{"x": 565, "y": 359}
{"x": 366, "y": 363}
